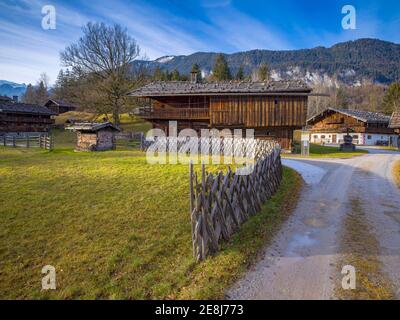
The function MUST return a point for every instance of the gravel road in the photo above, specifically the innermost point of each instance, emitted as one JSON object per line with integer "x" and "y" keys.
{"x": 301, "y": 261}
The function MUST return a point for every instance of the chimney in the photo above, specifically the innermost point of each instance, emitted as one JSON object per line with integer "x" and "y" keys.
{"x": 193, "y": 77}
{"x": 15, "y": 99}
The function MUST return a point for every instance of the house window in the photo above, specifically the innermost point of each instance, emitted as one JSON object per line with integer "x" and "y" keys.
{"x": 315, "y": 137}
{"x": 322, "y": 137}
{"x": 369, "y": 137}
{"x": 355, "y": 137}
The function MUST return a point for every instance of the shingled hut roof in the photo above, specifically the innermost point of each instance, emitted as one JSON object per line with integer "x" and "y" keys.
{"x": 92, "y": 126}
{"x": 364, "y": 116}
{"x": 395, "y": 121}
{"x": 182, "y": 88}
{"x": 60, "y": 103}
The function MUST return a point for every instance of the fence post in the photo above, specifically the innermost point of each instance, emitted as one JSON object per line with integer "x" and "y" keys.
{"x": 191, "y": 186}
{"x": 51, "y": 142}
{"x": 14, "y": 142}
{"x": 27, "y": 140}
{"x": 5, "y": 140}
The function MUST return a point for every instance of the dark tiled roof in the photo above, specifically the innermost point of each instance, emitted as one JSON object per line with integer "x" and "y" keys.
{"x": 5, "y": 99}
{"x": 169, "y": 88}
{"x": 364, "y": 116}
{"x": 92, "y": 126}
{"x": 25, "y": 108}
{"x": 60, "y": 103}
{"x": 395, "y": 121}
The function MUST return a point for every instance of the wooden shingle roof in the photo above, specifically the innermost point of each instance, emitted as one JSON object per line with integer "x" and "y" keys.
{"x": 361, "y": 115}
{"x": 182, "y": 88}
{"x": 92, "y": 126}
{"x": 25, "y": 108}
{"x": 60, "y": 103}
{"x": 395, "y": 121}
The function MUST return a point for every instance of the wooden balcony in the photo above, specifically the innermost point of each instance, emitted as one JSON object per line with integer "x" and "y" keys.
{"x": 175, "y": 114}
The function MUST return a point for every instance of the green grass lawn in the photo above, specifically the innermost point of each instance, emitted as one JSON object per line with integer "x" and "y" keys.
{"x": 396, "y": 172}
{"x": 114, "y": 227}
{"x": 318, "y": 151}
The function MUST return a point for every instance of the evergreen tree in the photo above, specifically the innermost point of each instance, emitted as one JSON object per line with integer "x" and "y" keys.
{"x": 263, "y": 72}
{"x": 196, "y": 69}
{"x": 175, "y": 76}
{"x": 158, "y": 74}
{"x": 391, "y": 101}
{"x": 240, "y": 74}
{"x": 41, "y": 95}
{"x": 221, "y": 70}
{"x": 29, "y": 95}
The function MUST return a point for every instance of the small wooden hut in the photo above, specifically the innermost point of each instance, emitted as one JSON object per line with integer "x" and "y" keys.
{"x": 95, "y": 136}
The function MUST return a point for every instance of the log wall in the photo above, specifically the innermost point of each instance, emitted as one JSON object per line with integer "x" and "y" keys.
{"x": 258, "y": 111}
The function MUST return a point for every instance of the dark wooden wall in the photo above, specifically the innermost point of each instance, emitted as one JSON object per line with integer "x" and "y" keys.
{"x": 272, "y": 117}
{"x": 259, "y": 111}
{"x": 24, "y": 123}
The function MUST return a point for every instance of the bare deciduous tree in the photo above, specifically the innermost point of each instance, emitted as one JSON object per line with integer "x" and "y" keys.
{"x": 103, "y": 56}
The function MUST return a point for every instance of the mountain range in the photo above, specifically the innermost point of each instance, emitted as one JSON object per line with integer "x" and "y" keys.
{"x": 10, "y": 89}
{"x": 351, "y": 62}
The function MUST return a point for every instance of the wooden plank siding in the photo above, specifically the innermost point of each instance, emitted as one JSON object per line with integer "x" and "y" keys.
{"x": 258, "y": 111}
{"x": 340, "y": 123}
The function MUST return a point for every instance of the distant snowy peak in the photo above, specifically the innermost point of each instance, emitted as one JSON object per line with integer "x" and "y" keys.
{"x": 164, "y": 59}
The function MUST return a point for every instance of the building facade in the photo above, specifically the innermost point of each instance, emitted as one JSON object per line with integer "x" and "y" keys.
{"x": 94, "y": 136}
{"x": 21, "y": 118}
{"x": 273, "y": 109}
{"x": 366, "y": 128}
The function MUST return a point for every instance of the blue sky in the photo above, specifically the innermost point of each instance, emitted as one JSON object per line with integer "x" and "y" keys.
{"x": 174, "y": 27}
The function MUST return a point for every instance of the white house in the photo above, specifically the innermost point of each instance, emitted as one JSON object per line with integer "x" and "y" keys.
{"x": 366, "y": 128}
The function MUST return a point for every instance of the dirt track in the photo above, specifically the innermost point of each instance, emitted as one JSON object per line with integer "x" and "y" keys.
{"x": 303, "y": 259}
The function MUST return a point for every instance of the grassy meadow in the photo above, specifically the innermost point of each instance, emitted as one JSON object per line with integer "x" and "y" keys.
{"x": 319, "y": 151}
{"x": 114, "y": 227}
{"x": 396, "y": 173}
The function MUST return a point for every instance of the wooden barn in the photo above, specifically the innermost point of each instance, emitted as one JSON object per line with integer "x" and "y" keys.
{"x": 273, "y": 109}
{"x": 59, "y": 106}
{"x": 94, "y": 136}
{"x": 24, "y": 118}
{"x": 366, "y": 128}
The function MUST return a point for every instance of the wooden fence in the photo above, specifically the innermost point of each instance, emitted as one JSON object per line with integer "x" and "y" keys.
{"x": 137, "y": 138}
{"x": 43, "y": 141}
{"x": 221, "y": 203}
